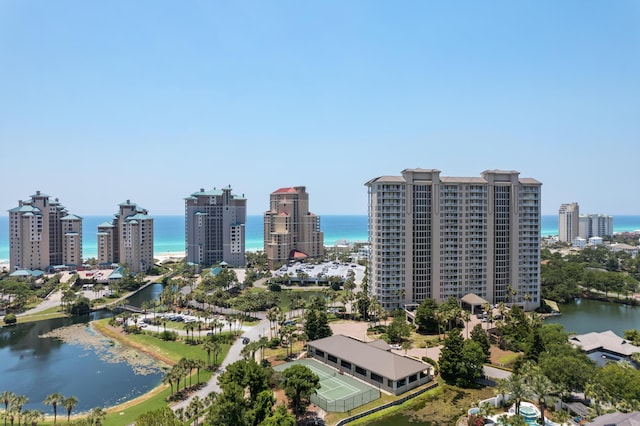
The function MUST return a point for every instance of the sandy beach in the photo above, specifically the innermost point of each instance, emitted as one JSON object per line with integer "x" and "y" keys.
{"x": 169, "y": 256}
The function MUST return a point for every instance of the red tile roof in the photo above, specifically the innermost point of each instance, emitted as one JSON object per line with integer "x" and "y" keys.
{"x": 284, "y": 190}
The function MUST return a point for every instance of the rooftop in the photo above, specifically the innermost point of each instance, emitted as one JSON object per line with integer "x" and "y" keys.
{"x": 370, "y": 356}
{"x": 606, "y": 340}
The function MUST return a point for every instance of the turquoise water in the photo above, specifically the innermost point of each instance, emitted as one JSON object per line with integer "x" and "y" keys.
{"x": 169, "y": 231}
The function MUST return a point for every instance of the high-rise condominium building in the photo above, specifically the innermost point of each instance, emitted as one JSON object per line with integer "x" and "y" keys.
{"x": 127, "y": 239}
{"x": 595, "y": 225}
{"x": 43, "y": 234}
{"x": 215, "y": 227}
{"x": 435, "y": 237}
{"x": 290, "y": 230}
{"x": 568, "y": 222}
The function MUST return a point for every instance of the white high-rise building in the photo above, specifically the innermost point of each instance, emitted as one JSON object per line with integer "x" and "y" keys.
{"x": 43, "y": 234}
{"x": 433, "y": 236}
{"x": 595, "y": 225}
{"x": 568, "y": 222}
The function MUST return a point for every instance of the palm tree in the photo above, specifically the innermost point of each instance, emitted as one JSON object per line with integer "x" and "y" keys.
{"x": 54, "y": 399}
{"x": 466, "y": 316}
{"x": 17, "y": 403}
{"x": 32, "y": 417}
{"x": 541, "y": 388}
{"x": 168, "y": 379}
{"x": 518, "y": 390}
{"x": 596, "y": 391}
{"x": 198, "y": 364}
{"x": 272, "y": 316}
{"x": 68, "y": 404}
{"x": 6, "y": 397}
{"x": 96, "y": 416}
{"x": 195, "y": 407}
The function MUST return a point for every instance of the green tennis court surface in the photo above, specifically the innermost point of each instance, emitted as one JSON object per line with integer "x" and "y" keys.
{"x": 338, "y": 392}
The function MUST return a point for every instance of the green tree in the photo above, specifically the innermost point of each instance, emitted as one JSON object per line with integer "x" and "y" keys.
{"x": 247, "y": 374}
{"x": 451, "y": 355}
{"x": 299, "y": 383}
{"x": 426, "y": 318}
{"x": 399, "y": 329}
{"x": 480, "y": 336}
{"x": 279, "y": 417}
{"x": 162, "y": 416}
{"x": 54, "y": 399}
{"x": 228, "y": 407}
{"x": 261, "y": 408}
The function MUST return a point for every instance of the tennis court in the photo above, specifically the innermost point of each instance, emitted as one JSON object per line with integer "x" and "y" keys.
{"x": 338, "y": 392}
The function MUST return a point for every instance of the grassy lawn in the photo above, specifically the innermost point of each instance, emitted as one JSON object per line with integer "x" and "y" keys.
{"x": 53, "y": 312}
{"x": 443, "y": 405}
{"x": 286, "y": 296}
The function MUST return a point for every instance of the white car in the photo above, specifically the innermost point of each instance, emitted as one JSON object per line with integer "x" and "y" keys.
{"x": 395, "y": 346}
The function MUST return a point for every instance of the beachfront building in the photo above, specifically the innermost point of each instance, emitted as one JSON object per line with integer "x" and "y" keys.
{"x": 215, "y": 227}
{"x": 291, "y": 231}
{"x": 434, "y": 237}
{"x": 595, "y": 225}
{"x": 127, "y": 239}
{"x": 43, "y": 235}
{"x": 568, "y": 222}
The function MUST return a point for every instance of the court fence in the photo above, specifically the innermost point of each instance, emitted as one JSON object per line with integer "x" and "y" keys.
{"x": 346, "y": 404}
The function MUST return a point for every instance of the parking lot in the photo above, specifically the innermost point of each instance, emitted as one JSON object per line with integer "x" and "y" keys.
{"x": 323, "y": 270}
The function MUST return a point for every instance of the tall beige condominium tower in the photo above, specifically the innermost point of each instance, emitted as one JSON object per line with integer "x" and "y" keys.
{"x": 42, "y": 235}
{"x": 568, "y": 222}
{"x": 215, "y": 227}
{"x": 127, "y": 239}
{"x": 290, "y": 230}
{"x": 435, "y": 237}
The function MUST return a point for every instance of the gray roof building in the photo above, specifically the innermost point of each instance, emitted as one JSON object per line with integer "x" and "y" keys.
{"x": 371, "y": 362}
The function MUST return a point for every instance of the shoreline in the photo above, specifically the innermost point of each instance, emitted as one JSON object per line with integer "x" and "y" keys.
{"x": 108, "y": 332}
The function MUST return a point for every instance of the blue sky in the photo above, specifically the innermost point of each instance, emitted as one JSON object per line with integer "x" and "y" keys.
{"x": 150, "y": 100}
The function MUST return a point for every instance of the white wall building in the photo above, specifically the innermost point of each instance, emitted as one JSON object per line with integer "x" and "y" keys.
{"x": 434, "y": 237}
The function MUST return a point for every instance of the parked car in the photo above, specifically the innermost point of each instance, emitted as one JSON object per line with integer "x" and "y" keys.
{"x": 245, "y": 340}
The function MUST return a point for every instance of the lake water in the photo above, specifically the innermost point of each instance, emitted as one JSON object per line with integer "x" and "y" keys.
{"x": 37, "y": 366}
{"x": 585, "y": 315}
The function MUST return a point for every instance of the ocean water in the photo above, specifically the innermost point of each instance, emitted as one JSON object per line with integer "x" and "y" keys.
{"x": 169, "y": 231}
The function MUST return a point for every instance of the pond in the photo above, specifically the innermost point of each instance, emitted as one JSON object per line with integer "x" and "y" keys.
{"x": 64, "y": 355}
{"x": 586, "y": 315}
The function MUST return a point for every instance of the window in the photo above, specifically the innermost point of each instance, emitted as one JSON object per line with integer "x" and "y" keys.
{"x": 345, "y": 364}
{"x": 361, "y": 370}
{"x": 332, "y": 358}
{"x": 376, "y": 378}
{"x": 320, "y": 353}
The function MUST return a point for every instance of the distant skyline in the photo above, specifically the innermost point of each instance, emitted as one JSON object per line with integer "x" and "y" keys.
{"x": 153, "y": 100}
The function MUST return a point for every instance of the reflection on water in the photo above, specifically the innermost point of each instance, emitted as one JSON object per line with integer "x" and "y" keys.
{"x": 37, "y": 366}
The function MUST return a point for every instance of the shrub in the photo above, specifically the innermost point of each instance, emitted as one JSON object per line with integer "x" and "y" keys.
{"x": 431, "y": 361}
{"x": 273, "y": 343}
{"x": 10, "y": 319}
{"x": 169, "y": 336}
{"x": 275, "y": 287}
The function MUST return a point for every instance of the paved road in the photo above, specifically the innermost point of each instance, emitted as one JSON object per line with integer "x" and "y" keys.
{"x": 232, "y": 356}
